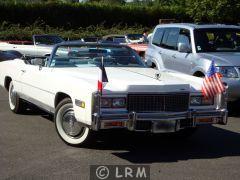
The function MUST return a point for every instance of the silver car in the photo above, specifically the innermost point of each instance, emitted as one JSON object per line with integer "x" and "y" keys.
{"x": 189, "y": 48}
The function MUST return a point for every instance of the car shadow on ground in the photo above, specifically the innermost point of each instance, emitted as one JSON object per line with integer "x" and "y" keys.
{"x": 209, "y": 142}
{"x": 234, "y": 109}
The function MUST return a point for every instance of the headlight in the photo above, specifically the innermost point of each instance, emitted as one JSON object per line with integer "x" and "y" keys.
{"x": 118, "y": 102}
{"x": 106, "y": 102}
{"x": 227, "y": 71}
{"x": 201, "y": 101}
{"x": 109, "y": 102}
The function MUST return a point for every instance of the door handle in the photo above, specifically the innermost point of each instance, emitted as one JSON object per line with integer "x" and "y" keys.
{"x": 160, "y": 52}
{"x": 174, "y": 56}
{"x": 23, "y": 71}
{"x": 14, "y": 47}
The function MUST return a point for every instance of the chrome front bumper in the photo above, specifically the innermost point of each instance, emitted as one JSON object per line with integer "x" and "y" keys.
{"x": 158, "y": 122}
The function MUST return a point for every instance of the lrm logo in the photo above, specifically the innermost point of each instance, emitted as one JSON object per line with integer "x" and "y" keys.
{"x": 119, "y": 172}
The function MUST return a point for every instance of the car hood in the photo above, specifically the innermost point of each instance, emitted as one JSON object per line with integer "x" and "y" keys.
{"x": 134, "y": 79}
{"x": 223, "y": 58}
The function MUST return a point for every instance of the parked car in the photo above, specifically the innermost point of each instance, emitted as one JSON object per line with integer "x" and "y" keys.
{"x": 40, "y": 46}
{"x": 136, "y": 98}
{"x": 90, "y": 39}
{"x": 135, "y": 41}
{"x": 124, "y": 39}
{"x": 190, "y": 48}
{"x": 9, "y": 55}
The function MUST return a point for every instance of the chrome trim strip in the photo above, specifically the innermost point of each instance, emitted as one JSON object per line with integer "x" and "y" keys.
{"x": 39, "y": 104}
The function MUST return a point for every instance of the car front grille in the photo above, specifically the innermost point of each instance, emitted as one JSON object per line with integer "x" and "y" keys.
{"x": 175, "y": 102}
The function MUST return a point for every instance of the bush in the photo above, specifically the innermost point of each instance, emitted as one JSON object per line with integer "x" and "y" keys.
{"x": 11, "y": 31}
{"x": 75, "y": 15}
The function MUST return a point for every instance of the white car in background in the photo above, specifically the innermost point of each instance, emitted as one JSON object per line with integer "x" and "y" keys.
{"x": 136, "y": 98}
{"x": 40, "y": 46}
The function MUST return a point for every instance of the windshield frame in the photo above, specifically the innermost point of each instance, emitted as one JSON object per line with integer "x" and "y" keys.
{"x": 47, "y": 36}
{"x": 94, "y": 45}
{"x": 215, "y": 30}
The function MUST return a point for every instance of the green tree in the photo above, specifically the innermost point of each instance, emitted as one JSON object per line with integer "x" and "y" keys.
{"x": 110, "y": 2}
{"x": 217, "y": 11}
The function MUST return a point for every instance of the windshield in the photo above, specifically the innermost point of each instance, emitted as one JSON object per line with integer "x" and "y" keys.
{"x": 217, "y": 40}
{"x": 119, "y": 40}
{"x": 135, "y": 36}
{"x": 47, "y": 40}
{"x": 91, "y": 56}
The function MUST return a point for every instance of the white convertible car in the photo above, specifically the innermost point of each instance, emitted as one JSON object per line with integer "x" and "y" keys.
{"x": 136, "y": 98}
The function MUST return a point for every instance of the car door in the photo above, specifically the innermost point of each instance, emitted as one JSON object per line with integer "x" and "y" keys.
{"x": 183, "y": 60}
{"x": 169, "y": 47}
{"x": 154, "y": 51}
{"x": 36, "y": 86}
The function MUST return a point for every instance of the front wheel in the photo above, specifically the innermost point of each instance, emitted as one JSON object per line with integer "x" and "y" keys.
{"x": 69, "y": 129}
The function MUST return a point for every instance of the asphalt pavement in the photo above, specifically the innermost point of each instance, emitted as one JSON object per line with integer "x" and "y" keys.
{"x": 31, "y": 149}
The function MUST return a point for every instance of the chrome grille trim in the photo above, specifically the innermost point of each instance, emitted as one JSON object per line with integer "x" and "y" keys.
{"x": 174, "y": 102}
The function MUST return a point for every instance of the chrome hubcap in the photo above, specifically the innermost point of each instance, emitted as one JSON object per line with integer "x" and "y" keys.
{"x": 70, "y": 125}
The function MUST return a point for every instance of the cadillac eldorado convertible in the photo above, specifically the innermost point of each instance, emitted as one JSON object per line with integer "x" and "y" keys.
{"x": 135, "y": 98}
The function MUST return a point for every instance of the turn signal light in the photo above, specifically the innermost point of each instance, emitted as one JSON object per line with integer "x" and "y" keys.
{"x": 113, "y": 124}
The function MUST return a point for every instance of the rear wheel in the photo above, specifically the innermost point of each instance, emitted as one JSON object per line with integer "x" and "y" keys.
{"x": 15, "y": 103}
{"x": 69, "y": 129}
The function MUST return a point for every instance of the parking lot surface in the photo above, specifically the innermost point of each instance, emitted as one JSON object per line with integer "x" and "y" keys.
{"x": 31, "y": 149}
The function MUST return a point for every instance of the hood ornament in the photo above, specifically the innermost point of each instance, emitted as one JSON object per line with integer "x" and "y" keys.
{"x": 157, "y": 76}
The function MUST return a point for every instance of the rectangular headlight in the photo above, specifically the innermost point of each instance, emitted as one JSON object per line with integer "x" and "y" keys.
{"x": 106, "y": 102}
{"x": 112, "y": 102}
{"x": 201, "y": 101}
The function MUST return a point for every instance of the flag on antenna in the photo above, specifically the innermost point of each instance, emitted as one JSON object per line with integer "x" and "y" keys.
{"x": 212, "y": 83}
{"x": 102, "y": 81}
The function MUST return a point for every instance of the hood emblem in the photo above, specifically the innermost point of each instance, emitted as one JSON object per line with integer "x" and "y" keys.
{"x": 157, "y": 76}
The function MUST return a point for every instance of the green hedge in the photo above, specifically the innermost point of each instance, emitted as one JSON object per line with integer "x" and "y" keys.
{"x": 18, "y": 32}
{"x": 75, "y": 15}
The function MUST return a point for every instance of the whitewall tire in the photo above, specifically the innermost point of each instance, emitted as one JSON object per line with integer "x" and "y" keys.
{"x": 68, "y": 128}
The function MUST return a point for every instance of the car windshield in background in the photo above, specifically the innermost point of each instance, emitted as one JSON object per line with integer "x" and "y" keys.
{"x": 119, "y": 40}
{"x": 217, "y": 40}
{"x": 48, "y": 40}
{"x": 91, "y": 56}
{"x": 135, "y": 36}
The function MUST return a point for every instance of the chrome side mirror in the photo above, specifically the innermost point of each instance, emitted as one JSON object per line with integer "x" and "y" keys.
{"x": 148, "y": 63}
{"x": 184, "y": 48}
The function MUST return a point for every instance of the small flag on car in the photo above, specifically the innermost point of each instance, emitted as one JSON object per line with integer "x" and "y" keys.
{"x": 102, "y": 81}
{"x": 212, "y": 83}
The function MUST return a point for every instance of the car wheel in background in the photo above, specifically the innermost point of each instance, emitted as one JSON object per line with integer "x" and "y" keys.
{"x": 69, "y": 129}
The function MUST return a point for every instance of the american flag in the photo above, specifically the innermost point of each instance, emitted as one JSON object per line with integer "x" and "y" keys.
{"x": 212, "y": 83}
{"x": 102, "y": 77}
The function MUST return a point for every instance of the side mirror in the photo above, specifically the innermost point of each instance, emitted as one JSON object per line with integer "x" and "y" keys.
{"x": 149, "y": 63}
{"x": 38, "y": 62}
{"x": 184, "y": 48}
